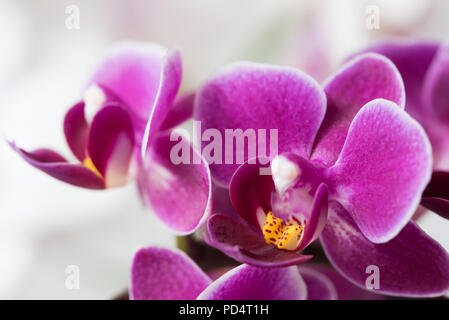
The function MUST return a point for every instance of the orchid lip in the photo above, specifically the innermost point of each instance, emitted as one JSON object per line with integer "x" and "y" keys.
{"x": 286, "y": 236}
{"x": 88, "y": 163}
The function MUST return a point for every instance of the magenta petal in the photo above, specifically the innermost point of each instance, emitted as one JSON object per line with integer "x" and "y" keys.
{"x": 171, "y": 74}
{"x": 250, "y": 191}
{"x": 76, "y": 131}
{"x": 412, "y": 61}
{"x": 364, "y": 78}
{"x": 56, "y": 166}
{"x": 345, "y": 289}
{"x": 319, "y": 286}
{"x": 411, "y": 264}
{"x": 246, "y": 246}
{"x": 436, "y": 85}
{"x": 163, "y": 274}
{"x": 383, "y": 169}
{"x": 253, "y": 283}
{"x": 436, "y": 195}
{"x": 181, "y": 111}
{"x": 256, "y": 96}
{"x": 179, "y": 193}
{"x": 111, "y": 144}
{"x": 317, "y": 218}
{"x": 131, "y": 70}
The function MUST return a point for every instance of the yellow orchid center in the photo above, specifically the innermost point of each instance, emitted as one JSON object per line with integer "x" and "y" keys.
{"x": 283, "y": 236}
{"x": 90, "y": 165}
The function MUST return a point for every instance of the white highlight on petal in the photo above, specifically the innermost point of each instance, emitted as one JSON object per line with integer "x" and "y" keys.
{"x": 284, "y": 173}
{"x": 94, "y": 97}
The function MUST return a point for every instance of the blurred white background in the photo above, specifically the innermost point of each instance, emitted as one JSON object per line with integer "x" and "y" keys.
{"x": 46, "y": 225}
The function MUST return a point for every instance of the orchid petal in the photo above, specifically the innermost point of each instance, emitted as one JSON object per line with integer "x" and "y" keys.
{"x": 253, "y": 283}
{"x": 412, "y": 264}
{"x": 163, "y": 274}
{"x": 345, "y": 289}
{"x": 111, "y": 144}
{"x": 383, "y": 169}
{"x": 181, "y": 111}
{"x": 256, "y": 96}
{"x": 364, "y": 78}
{"x": 412, "y": 61}
{"x": 436, "y": 85}
{"x": 76, "y": 131}
{"x": 132, "y": 71}
{"x": 250, "y": 191}
{"x": 247, "y": 246}
{"x": 56, "y": 166}
{"x": 319, "y": 286}
{"x": 170, "y": 80}
{"x": 179, "y": 193}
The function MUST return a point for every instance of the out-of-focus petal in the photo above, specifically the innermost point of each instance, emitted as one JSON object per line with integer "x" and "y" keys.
{"x": 345, "y": 289}
{"x": 256, "y": 96}
{"x": 111, "y": 144}
{"x": 76, "y": 131}
{"x": 253, "y": 283}
{"x": 383, "y": 169}
{"x": 163, "y": 274}
{"x": 319, "y": 286}
{"x": 412, "y": 264}
{"x": 412, "y": 61}
{"x": 56, "y": 166}
{"x": 180, "y": 193}
{"x": 170, "y": 80}
{"x": 364, "y": 78}
{"x": 132, "y": 71}
{"x": 436, "y": 85}
{"x": 246, "y": 245}
{"x": 181, "y": 111}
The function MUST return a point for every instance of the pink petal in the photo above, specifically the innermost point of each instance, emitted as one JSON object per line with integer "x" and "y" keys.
{"x": 412, "y": 264}
{"x": 247, "y": 246}
{"x": 319, "y": 286}
{"x": 436, "y": 85}
{"x": 382, "y": 170}
{"x": 180, "y": 194}
{"x": 170, "y": 80}
{"x": 76, "y": 131}
{"x": 132, "y": 70}
{"x": 181, "y": 111}
{"x": 163, "y": 274}
{"x": 253, "y": 283}
{"x": 412, "y": 60}
{"x": 56, "y": 166}
{"x": 111, "y": 144}
{"x": 256, "y": 96}
{"x": 364, "y": 78}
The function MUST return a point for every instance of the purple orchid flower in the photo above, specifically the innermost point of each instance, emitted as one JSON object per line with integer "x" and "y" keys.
{"x": 424, "y": 66}
{"x": 120, "y": 131}
{"x": 351, "y": 168}
{"x": 163, "y": 274}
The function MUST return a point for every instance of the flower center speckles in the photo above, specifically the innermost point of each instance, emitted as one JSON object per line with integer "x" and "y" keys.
{"x": 90, "y": 165}
{"x": 283, "y": 236}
